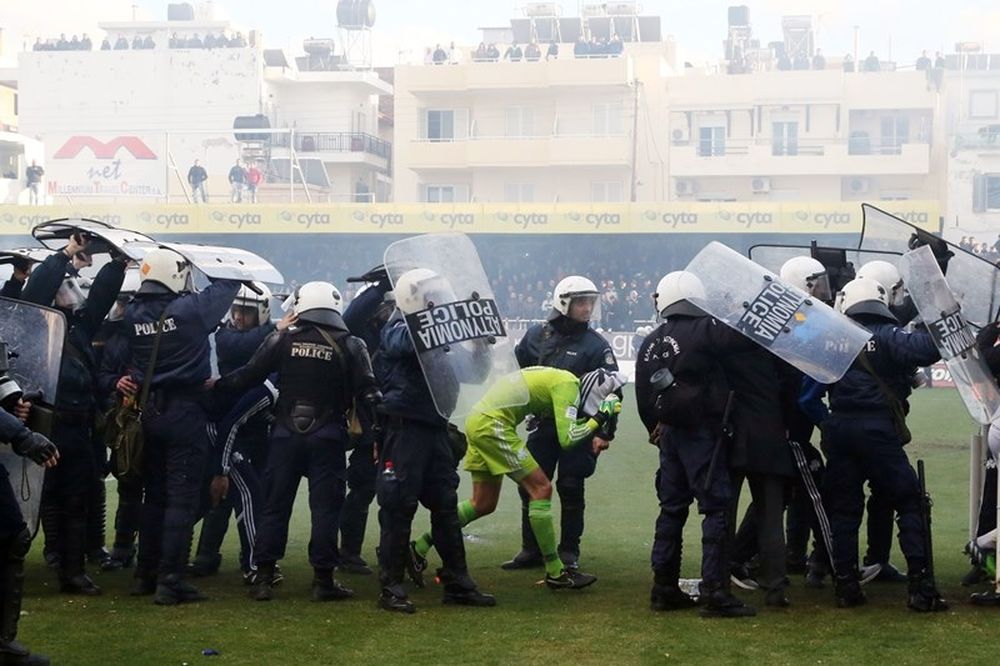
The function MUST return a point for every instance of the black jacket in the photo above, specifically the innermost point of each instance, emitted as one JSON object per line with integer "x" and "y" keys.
{"x": 565, "y": 344}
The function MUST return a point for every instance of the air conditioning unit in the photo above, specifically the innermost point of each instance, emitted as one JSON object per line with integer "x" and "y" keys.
{"x": 541, "y": 9}
{"x": 684, "y": 187}
{"x": 622, "y": 8}
{"x": 680, "y": 135}
{"x": 760, "y": 185}
{"x": 858, "y": 185}
{"x": 591, "y": 10}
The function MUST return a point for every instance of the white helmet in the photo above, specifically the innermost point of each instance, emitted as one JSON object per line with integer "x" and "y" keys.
{"x": 70, "y": 295}
{"x": 674, "y": 291}
{"x": 314, "y": 296}
{"x": 864, "y": 296}
{"x": 131, "y": 283}
{"x": 248, "y": 298}
{"x": 570, "y": 287}
{"x": 807, "y": 274}
{"x": 886, "y": 275}
{"x": 419, "y": 289}
{"x": 167, "y": 268}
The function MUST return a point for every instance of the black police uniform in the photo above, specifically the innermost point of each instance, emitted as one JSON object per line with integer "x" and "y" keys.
{"x": 70, "y": 485}
{"x": 114, "y": 356}
{"x": 316, "y": 383}
{"x": 233, "y": 349}
{"x": 861, "y": 442}
{"x": 418, "y": 465}
{"x": 569, "y": 345}
{"x": 15, "y": 540}
{"x": 365, "y": 317}
{"x": 689, "y": 418}
{"x": 175, "y": 425}
{"x": 986, "y": 341}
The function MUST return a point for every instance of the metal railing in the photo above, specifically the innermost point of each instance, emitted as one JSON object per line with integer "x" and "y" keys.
{"x": 335, "y": 142}
{"x": 792, "y": 148}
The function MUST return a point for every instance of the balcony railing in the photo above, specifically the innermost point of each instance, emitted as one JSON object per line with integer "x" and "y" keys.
{"x": 986, "y": 138}
{"x": 793, "y": 147}
{"x": 336, "y": 142}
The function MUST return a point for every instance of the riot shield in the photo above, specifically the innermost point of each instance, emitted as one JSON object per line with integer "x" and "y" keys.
{"x": 975, "y": 282}
{"x": 456, "y": 327}
{"x": 786, "y": 321}
{"x": 841, "y": 263}
{"x": 952, "y": 334}
{"x": 102, "y": 237}
{"x": 34, "y": 336}
{"x": 222, "y": 263}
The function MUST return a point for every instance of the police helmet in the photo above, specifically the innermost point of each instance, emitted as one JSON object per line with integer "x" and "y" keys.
{"x": 421, "y": 288}
{"x": 864, "y": 296}
{"x": 70, "y": 295}
{"x": 317, "y": 302}
{"x": 261, "y": 302}
{"x": 886, "y": 275}
{"x": 674, "y": 293}
{"x": 570, "y": 287}
{"x": 166, "y": 268}
{"x": 809, "y": 275}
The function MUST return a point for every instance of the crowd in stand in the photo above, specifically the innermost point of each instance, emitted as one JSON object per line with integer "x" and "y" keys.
{"x": 989, "y": 252}
{"x": 141, "y": 42}
{"x": 531, "y": 52}
{"x": 63, "y": 44}
{"x": 220, "y": 41}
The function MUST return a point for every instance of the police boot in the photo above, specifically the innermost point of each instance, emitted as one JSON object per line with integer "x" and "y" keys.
{"x": 72, "y": 577}
{"x": 526, "y": 559}
{"x": 393, "y": 598}
{"x": 847, "y": 590}
{"x": 12, "y": 552}
{"x": 666, "y": 595}
{"x": 123, "y": 555}
{"x": 325, "y": 588}
{"x": 922, "y": 594}
{"x": 354, "y": 564}
{"x": 461, "y": 590}
{"x": 262, "y": 582}
{"x": 205, "y": 564}
{"x": 718, "y": 601}
{"x": 172, "y": 589}
{"x": 144, "y": 584}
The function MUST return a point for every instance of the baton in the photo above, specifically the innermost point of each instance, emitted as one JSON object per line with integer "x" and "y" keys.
{"x": 726, "y": 432}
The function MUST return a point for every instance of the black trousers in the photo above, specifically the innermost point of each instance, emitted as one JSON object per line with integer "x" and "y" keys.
{"x": 767, "y": 517}
{"x": 424, "y": 468}
{"x": 319, "y": 458}
{"x": 70, "y": 486}
{"x": 361, "y": 472}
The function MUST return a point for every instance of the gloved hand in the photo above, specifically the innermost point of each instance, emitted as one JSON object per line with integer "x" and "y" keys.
{"x": 942, "y": 253}
{"x": 610, "y": 406}
{"x": 36, "y": 447}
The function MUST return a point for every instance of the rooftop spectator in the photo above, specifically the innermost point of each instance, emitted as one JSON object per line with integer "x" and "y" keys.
{"x": 195, "y": 42}
{"x": 74, "y": 44}
{"x": 493, "y": 53}
{"x": 923, "y": 62}
{"x": 615, "y": 46}
{"x": 553, "y": 51}
{"x": 784, "y": 62}
{"x": 532, "y": 53}
{"x": 237, "y": 42}
{"x": 938, "y": 60}
{"x": 454, "y": 54}
{"x": 872, "y": 64}
{"x": 176, "y": 42}
{"x": 581, "y": 49}
{"x": 121, "y": 44}
{"x": 848, "y": 63}
{"x": 513, "y": 53}
{"x": 39, "y": 46}
{"x": 210, "y": 42}
{"x": 440, "y": 56}
{"x": 137, "y": 43}
{"x": 62, "y": 44}
{"x": 479, "y": 55}
{"x": 819, "y": 62}
{"x": 428, "y": 56}
{"x": 801, "y": 61}
{"x": 105, "y": 45}
{"x": 148, "y": 42}
{"x": 85, "y": 43}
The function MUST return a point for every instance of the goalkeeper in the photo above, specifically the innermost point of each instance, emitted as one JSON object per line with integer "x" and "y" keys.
{"x": 581, "y": 407}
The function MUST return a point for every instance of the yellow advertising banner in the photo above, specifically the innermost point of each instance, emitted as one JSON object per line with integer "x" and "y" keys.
{"x": 635, "y": 218}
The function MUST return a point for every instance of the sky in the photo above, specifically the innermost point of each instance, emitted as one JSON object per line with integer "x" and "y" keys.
{"x": 403, "y": 28}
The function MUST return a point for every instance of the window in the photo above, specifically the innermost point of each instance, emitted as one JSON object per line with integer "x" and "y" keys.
{"x": 607, "y": 192}
{"x": 519, "y": 192}
{"x": 9, "y": 161}
{"x": 711, "y": 141}
{"x": 785, "y": 138}
{"x": 608, "y": 119}
{"x": 445, "y": 193}
{"x": 986, "y": 193}
{"x": 983, "y": 104}
{"x": 441, "y": 125}
{"x": 520, "y": 121}
{"x": 895, "y": 132}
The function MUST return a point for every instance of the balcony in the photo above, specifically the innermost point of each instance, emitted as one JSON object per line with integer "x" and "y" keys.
{"x": 337, "y": 147}
{"x": 829, "y": 158}
{"x": 533, "y": 152}
{"x": 565, "y": 72}
{"x": 984, "y": 139}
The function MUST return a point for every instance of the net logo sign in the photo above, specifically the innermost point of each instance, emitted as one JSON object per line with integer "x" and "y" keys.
{"x": 105, "y": 150}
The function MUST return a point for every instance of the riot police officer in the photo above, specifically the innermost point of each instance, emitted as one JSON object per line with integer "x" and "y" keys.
{"x": 235, "y": 342}
{"x": 71, "y": 485}
{"x": 321, "y": 369}
{"x": 565, "y": 341}
{"x": 863, "y": 439}
{"x": 683, "y": 395}
{"x": 166, "y": 314}
{"x": 417, "y": 460}
{"x": 365, "y": 316}
{"x": 15, "y": 538}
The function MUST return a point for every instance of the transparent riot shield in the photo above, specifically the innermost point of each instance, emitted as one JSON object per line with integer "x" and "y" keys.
{"x": 456, "y": 327}
{"x": 790, "y": 324}
{"x": 101, "y": 236}
{"x": 34, "y": 339}
{"x": 975, "y": 282}
{"x": 841, "y": 263}
{"x": 222, "y": 263}
{"x": 952, "y": 333}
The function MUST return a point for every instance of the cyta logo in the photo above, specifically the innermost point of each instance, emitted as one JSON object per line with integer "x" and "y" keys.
{"x": 238, "y": 220}
{"x": 382, "y": 219}
{"x": 831, "y": 218}
{"x": 673, "y": 220}
{"x": 452, "y": 220}
{"x": 524, "y": 220}
{"x": 597, "y": 220}
{"x": 168, "y": 220}
{"x": 913, "y": 216}
{"x": 754, "y": 219}
{"x": 310, "y": 219}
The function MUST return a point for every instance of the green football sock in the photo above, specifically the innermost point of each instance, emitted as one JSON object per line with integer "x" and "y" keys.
{"x": 466, "y": 514}
{"x": 540, "y": 517}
